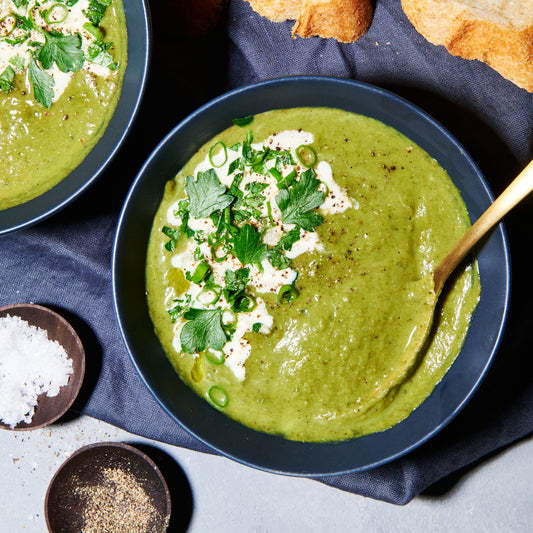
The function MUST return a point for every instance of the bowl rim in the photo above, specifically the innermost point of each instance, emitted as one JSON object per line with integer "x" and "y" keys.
{"x": 309, "y": 469}
{"x": 94, "y": 164}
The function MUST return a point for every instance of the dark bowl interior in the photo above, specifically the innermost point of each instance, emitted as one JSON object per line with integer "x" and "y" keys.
{"x": 50, "y": 408}
{"x": 63, "y": 504}
{"x": 228, "y": 437}
{"x": 59, "y": 196}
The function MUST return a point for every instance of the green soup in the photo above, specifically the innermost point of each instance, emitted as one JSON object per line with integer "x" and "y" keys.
{"x": 329, "y": 367}
{"x": 41, "y": 141}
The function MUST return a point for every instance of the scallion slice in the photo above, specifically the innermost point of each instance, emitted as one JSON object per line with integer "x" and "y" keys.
{"x": 216, "y": 149}
{"x": 306, "y": 155}
{"x": 287, "y": 293}
{"x": 199, "y": 273}
{"x": 218, "y": 396}
{"x": 55, "y": 14}
{"x": 209, "y": 295}
{"x": 7, "y": 25}
{"x": 215, "y": 356}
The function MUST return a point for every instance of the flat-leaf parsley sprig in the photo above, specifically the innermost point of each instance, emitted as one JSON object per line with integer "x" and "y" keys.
{"x": 39, "y": 38}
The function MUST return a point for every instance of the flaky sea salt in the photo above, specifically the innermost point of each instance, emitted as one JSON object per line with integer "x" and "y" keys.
{"x": 30, "y": 365}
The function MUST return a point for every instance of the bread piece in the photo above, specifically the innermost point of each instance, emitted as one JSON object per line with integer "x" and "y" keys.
{"x": 343, "y": 20}
{"x": 497, "y": 32}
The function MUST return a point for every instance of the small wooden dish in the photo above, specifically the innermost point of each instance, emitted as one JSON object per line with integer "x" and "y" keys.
{"x": 68, "y": 498}
{"x": 50, "y": 408}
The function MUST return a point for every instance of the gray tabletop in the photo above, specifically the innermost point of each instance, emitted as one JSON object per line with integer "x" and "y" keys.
{"x": 212, "y": 493}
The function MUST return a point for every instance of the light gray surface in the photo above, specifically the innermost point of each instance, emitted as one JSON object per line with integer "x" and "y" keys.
{"x": 228, "y": 497}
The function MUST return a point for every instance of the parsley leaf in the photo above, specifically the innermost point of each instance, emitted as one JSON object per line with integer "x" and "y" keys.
{"x": 6, "y": 79}
{"x": 247, "y": 247}
{"x": 202, "y": 330}
{"x": 42, "y": 84}
{"x": 64, "y": 50}
{"x": 298, "y": 201}
{"x": 243, "y": 121}
{"x": 206, "y": 194}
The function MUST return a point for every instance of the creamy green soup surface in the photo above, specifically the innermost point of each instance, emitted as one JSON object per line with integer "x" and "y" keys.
{"x": 281, "y": 273}
{"x": 62, "y": 64}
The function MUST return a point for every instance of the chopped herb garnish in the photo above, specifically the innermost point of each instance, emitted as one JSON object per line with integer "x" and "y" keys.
{"x": 241, "y": 215}
{"x": 25, "y": 32}
{"x": 6, "y": 79}
{"x": 174, "y": 235}
{"x": 243, "y": 121}
{"x": 96, "y": 10}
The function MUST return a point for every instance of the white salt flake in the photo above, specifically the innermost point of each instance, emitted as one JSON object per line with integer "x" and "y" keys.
{"x": 30, "y": 365}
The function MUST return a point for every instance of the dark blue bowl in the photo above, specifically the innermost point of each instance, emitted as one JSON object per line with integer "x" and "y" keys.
{"x": 228, "y": 437}
{"x": 86, "y": 173}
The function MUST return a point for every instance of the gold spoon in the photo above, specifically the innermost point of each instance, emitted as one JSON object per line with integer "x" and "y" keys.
{"x": 426, "y": 291}
{"x": 519, "y": 188}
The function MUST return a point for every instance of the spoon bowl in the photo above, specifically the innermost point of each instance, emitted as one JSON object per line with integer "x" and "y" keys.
{"x": 51, "y": 408}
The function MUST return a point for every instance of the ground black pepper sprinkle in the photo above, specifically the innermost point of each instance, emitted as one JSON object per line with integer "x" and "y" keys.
{"x": 118, "y": 504}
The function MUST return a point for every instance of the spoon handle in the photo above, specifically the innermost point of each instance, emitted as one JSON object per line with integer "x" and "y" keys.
{"x": 517, "y": 190}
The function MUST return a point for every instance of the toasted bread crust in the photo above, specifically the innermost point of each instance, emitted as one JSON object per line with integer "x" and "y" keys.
{"x": 343, "y": 20}
{"x": 507, "y": 49}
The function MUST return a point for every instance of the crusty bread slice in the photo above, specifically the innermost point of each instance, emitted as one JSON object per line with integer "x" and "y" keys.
{"x": 343, "y": 20}
{"x": 497, "y": 32}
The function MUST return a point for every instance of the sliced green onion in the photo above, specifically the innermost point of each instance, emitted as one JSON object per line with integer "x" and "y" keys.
{"x": 218, "y": 396}
{"x": 55, "y": 14}
{"x": 269, "y": 213}
{"x": 275, "y": 174}
{"x": 7, "y": 25}
{"x": 219, "y": 145}
{"x": 229, "y": 318}
{"x": 306, "y": 155}
{"x": 287, "y": 293}
{"x": 199, "y": 273}
{"x": 215, "y": 251}
{"x": 94, "y": 31}
{"x": 244, "y": 303}
{"x": 215, "y": 356}
{"x": 287, "y": 180}
{"x": 209, "y": 296}
{"x": 256, "y": 326}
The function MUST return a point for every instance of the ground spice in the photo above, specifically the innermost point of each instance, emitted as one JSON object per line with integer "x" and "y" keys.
{"x": 118, "y": 504}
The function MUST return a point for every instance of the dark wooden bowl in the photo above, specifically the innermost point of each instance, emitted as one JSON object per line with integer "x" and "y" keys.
{"x": 49, "y": 409}
{"x": 64, "y": 506}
